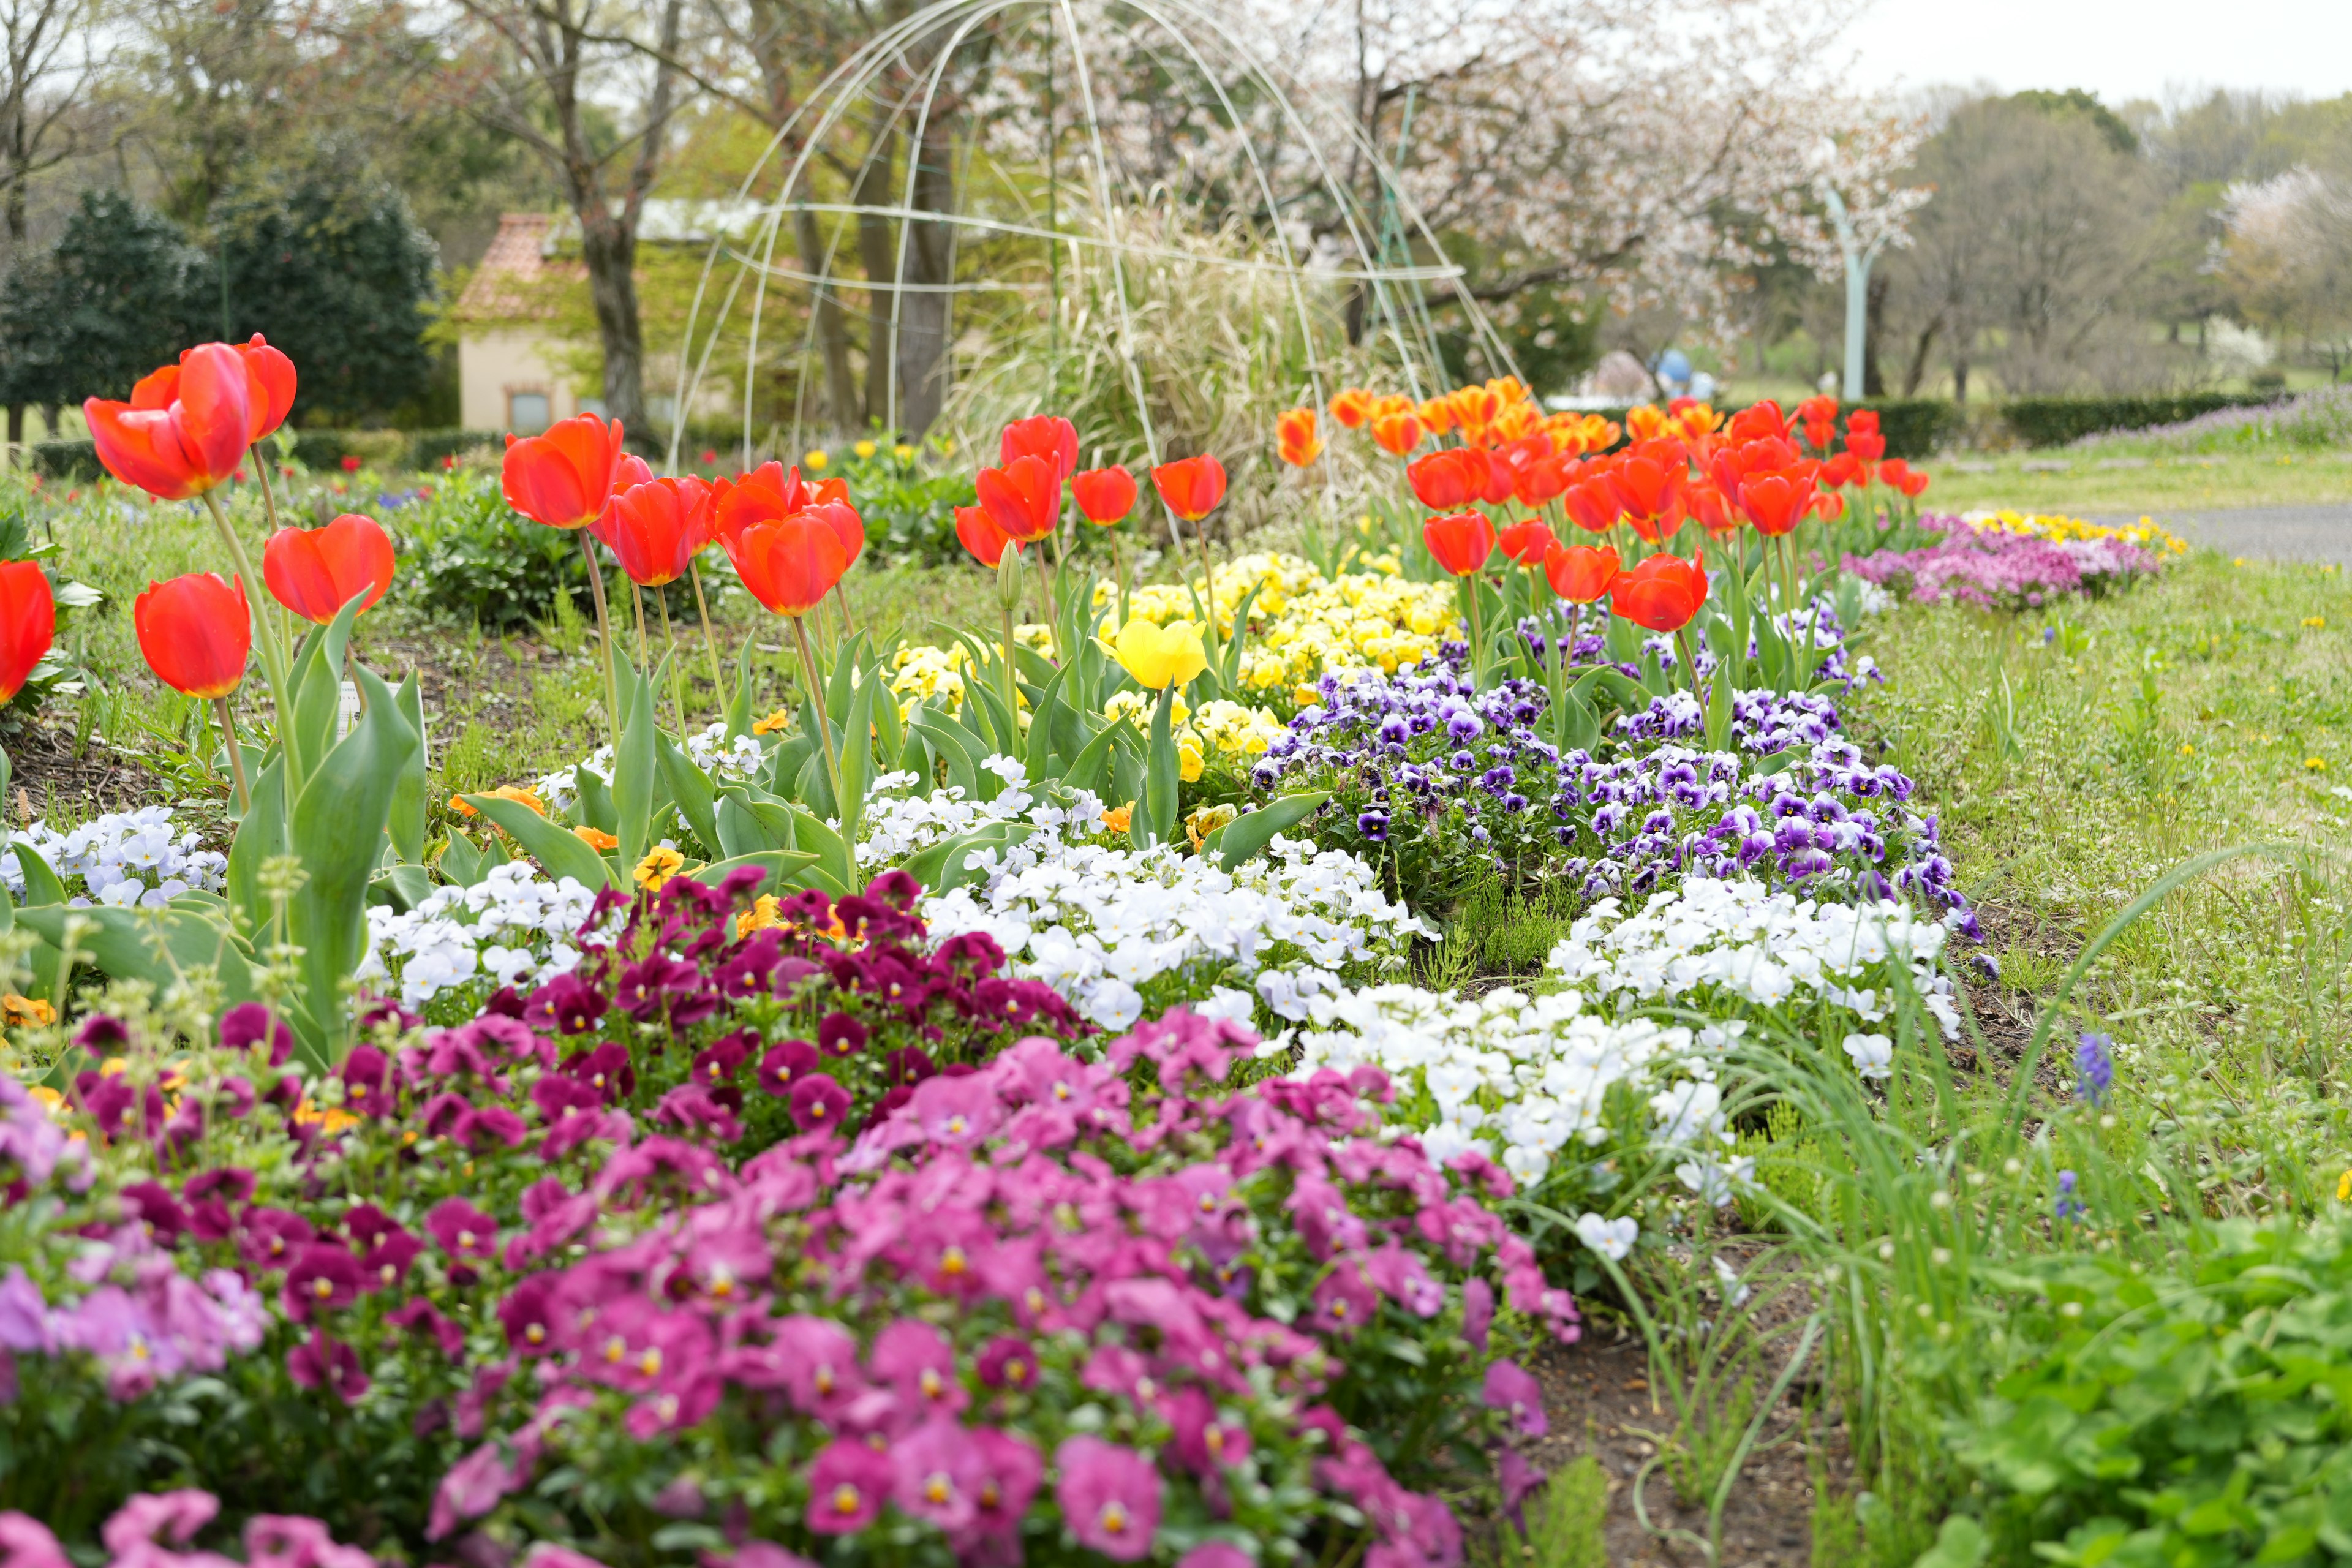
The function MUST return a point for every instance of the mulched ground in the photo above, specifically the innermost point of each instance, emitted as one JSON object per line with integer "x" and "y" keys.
{"x": 43, "y": 770}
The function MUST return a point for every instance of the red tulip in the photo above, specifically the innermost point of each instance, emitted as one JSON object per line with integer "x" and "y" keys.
{"x": 1051, "y": 440}
{"x": 1756, "y": 422}
{"x": 1024, "y": 498}
{"x": 1537, "y": 474}
{"x": 1714, "y": 512}
{"x": 790, "y": 564}
{"x": 1105, "y": 495}
{"x": 269, "y": 386}
{"x": 1819, "y": 410}
{"x": 1525, "y": 541}
{"x": 1863, "y": 419}
{"x": 1452, "y": 477}
{"x": 1861, "y": 437}
{"x": 1592, "y": 505}
{"x": 770, "y": 493}
{"x": 1398, "y": 433}
{"x": 185, "y": 428}
{"x": 315, "y": 572}
{"x": 1776, "y": 503}
{"x": 979, "y": 534}
{"x": 195, "y": 632}
{"x": 28, "y": 623}
{"x": 1582, "y": 572}
{"x": 1462, "y": 541}
{"x": 1903, "y": 477}
{"x": 1296, "y": 442}
{"x": 1662, "y": 592}
{"x": 1192, "y": 488}
{"x": 1649, "y": 481}
{"x": 657, "y": 528}
{"x": 564, "y": 477}
{"x": 1841, "y": 470}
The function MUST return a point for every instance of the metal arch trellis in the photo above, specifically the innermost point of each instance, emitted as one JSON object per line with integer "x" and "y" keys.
{"x": 1391, "y": 279}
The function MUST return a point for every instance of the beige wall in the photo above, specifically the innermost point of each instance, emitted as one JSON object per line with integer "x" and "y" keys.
{"x": 493, "y": 362}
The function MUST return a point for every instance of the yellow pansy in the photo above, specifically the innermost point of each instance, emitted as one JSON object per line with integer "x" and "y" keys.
{"x": 659, "y": 866}
{"x": 1118, "y": 819}
{"x": 1189, "y": 761}
{"x": 865, "y": 449}
{"x": 814, "y": 459}
{"x": 1161, "y": 656}
{"x": 595, "y": 838}
{"x": 774, "y": 723}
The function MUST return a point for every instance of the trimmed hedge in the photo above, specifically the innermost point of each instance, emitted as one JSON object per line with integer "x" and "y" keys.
{"x": 74, "y": 460}
{"x": 426, "y": 449}
{"x": 2055, "y": 421}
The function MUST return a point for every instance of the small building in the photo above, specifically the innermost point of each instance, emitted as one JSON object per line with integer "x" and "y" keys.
{"x": 512, "y": 353}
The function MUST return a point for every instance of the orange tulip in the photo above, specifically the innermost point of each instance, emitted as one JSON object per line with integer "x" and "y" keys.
{"x": 1592, "y": 505}
{"x": 1397, "y": 434}
{"x": 1581, "y": 572}
{"x": 1437, "y": 414}
{"x": 1646, "y": 422}
{"x": 1047, "y": 437}
{"x": 1192, "y": 488}
{"x": 1352, "y": 407}
{"x": 1756, "y": 422}
{"x": 28, "y": 623}
{"x": 195, "y": 632}
{"x": 1526, "y": 541}
{"x": 657, "y": 528}
{"x": 1903, "y": 477}
{"x": 315, "y": 572}
{"x": 564, "y": 477}
{"x": 1461, "y": 543}
{"x": 1662, "y": 592}
{"x": 978, "y": 534}
{"x": 1712, "y": 510}
{"x": 1103, "y": 495}
{"x": 1452, "y": 477}
{"x": 789, "y": 564}
{"x": 1296, "y": 441}
{"x": 1649, "y": 481}
{"x": 1024, "y": 498}
{"x": 1840, "y": 471}
{"x": 185, "y": 428}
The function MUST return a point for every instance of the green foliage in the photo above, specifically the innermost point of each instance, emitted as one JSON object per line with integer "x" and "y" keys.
{"x": 1560, "y": 1528}
{"x": 338, "y": 276}
{"x": 909, "y": 511}
{"x": 2055, "y": 421}
{"x": 120, "y": 293}
{"x": 466, "y": 556}
{"x": 2193, "y": 1416}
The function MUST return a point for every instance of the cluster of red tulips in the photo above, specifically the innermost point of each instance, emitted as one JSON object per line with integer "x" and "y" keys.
{"x": 1019, "y": 501}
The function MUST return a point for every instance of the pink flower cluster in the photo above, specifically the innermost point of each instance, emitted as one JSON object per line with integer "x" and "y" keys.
{"x": 1992, "y": 567}
{"x": 144, "y": 1532}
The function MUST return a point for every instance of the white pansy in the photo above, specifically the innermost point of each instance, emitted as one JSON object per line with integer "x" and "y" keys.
{"x": 122, "y": 859}
{"x": 1612, "y": 1238}
{"x": 1706, "y": 943}
{"x": 512, "y": 928}
{"x": 1874, "y": 1055}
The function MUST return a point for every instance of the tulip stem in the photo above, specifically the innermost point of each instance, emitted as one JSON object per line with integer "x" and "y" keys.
{"x": 1690, "y": 662}
{"x": 604, "y": 635}
{"x": 824, "y": 721}
{"x": 637, "y": 599}
{"x": 235, "y": 755}
{"x": 710, "y": 639}
{"x": 677, "y": 681}
{"x": 1119, "y": 572}
{"x": 273, "y": 657}
{"x": 282, "y": 629}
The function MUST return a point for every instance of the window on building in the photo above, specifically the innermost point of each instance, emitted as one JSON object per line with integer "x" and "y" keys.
{"x": 527, "y": 413}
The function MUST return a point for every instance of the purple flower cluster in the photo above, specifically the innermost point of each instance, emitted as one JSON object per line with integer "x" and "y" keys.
{"x": 1996, "y": 569}
{"x": 1449, "y": 783}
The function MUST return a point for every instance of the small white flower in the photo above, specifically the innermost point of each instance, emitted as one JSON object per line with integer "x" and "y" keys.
{"x": 1612, "y": 1238}
{"x": 1874, "y": 1055}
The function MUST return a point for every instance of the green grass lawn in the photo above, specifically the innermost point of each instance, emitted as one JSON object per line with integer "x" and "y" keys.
{"x": 2099, "y": 482}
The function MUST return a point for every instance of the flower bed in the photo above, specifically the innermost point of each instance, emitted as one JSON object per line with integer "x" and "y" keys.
{"x": 2005, "y": 561}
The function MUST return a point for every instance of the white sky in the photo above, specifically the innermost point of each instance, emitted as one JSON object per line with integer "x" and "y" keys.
{"x": 2120, "y": 50}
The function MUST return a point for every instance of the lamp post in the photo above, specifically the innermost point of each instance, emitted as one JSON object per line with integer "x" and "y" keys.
{"x": 1858, "y": 258}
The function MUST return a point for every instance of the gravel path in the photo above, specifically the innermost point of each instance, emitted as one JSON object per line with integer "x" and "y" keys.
{"x": 2281, "y": 532}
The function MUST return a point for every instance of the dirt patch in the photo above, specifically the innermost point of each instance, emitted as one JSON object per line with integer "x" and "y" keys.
{"x": 48, "y": 781}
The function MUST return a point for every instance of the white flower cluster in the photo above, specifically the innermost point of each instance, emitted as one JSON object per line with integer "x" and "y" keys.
{"x": 1101, "y": 923}
{"x": 512, "y": 927}
{"x": 1522, "y": 1076}
{"x": 1704, "y": 943}
{"x": 124, "y": 859}
{"x": 707, "y": 748}
{"x": 896, "y": 826}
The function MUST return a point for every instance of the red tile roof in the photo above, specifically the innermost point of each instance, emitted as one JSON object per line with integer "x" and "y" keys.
{"x": 506, "y": 285}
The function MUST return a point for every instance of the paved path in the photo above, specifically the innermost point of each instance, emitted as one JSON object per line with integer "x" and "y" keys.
{"x": 2283, "y": 533}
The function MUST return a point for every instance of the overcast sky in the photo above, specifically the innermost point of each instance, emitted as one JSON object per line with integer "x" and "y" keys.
{"x": 2120, "y": 50}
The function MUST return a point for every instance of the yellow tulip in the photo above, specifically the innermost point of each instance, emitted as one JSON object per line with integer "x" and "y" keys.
{"x": 1161, "y": 656}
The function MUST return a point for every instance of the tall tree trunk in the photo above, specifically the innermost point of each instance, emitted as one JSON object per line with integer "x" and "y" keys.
{"x": 832, "y": 331}
{"x": 923, "y": 314}
{"x": 1873, "y": 312}
{"x": 875, "y": 188}
{"x": 608, "y": 245}
{"x": 1916, "y": 369}
{"x": 1960, "y": 378}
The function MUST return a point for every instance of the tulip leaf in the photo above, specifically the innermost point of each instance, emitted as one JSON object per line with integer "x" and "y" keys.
{"x": 559, "y": 852}
{"x": 260, "y": 837}
{"x": 42, "y": 884}
{"x": 317, "y": 679}
{"x": 856, "y": 758}
{"x": 1246, "y": 836}
{"x": 785, "y": 866}
{"x": 841, "y": 678}
{"x": 1089, "y": 770}
{"x": 462, "y": 863}
{"x": 783, "y": 770}
{"x": 690, "y": 788}
{"x": 1230, "y": 655}
{"x": 947, "y": 865}
{"x": 400, "y": 887}
{"x": 337, "y": 830}
{"x": 1154, "y": 821}
{"x": 407, "y": 824}
{"x": 889, "y": 728}
{"x": 633, "y": 773}
{"x": 1044, "y": 708}
{"x": 739, "y": 706}
{"x": 159, "y": 946}
{"x": 947, "y": 738}
{"x": 814, "y": 788}
{"x": 833, "y": 864}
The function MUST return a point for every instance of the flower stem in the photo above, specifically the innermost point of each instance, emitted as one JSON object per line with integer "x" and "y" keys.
{"x": 823, "y": 722}
{"x": 710, "y": 639}
{"x": 603, "y": 636}
{"x": 273, "y": 656}
{"x": 236, "y": 755}
{"x": 677, "y": 681}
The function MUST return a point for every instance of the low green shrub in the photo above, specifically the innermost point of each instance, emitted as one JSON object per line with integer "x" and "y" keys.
{"x": 2055, "y": 421}
{"x": 468, "y": 556}
{"x": 2198, "y": 1415}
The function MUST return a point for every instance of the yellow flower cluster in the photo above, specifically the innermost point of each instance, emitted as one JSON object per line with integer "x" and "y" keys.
{"x": 921, "y": 670}
{"x": 1230, "y": 730}
{"x": 2145, "y": 532}
{"x": 1303, "y": 626}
